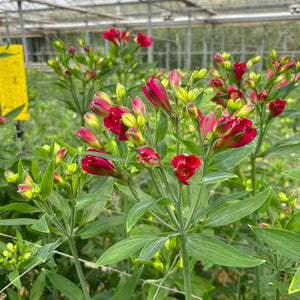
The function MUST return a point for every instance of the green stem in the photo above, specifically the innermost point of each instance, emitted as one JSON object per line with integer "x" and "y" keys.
{"x": 186, "y": 269}
{"x": 78, "y": 268}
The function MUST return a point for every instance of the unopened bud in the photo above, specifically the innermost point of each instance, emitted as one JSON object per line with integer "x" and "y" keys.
{"x": 11, "y": 177}
{"x": 182, "y": 95}
{"x": 298, "y": 66}
{"x": 6, "y": 253}
{"x": 27, "y": 255}
{"x": 128, "y": 120}
{"x": 86, "y": 49}
{"x": 57, "y": 178}
{"x": 282, "y": 197}
{"x": 92, "y": 120}
{"x": 235, "y": 105}
{"x": 273, "y": 54}
{"x": 10, "y": 247}
{"x": 250, "y": 84}
{"x": 249, "y": 64}
{"x": 56, "y": 148}
{"x": 28, "y": 180}
{"x": 105, "y": 97}
{"x": 175, "y": 79}
{"x": 120, "y": 91}
{"x": 91, "y": 75}
{"x": 25, "y": 191}
{"x": 60, "y": 156}
{"x": 71, "y": 51}
{"x": 285, "y": 60}
{"x": 165, "y": 82}
{"x": 190, "y": 111}
{"x": 245, "y": 111}
{"x": 215, "y": 73}
{"x": 72, "y": 168}
{"x": 226, "y": 55}
{"x": 191, "y": 96}
{"x": 141, "y": 121}
{"x": 280, "y": 78}
{"x": 135, "y": 136}
{"x": 227, "y": 64}
{"x": 47, "y": 148}
{"x": 80, "y": 43}
{"x": 252, "y": 76}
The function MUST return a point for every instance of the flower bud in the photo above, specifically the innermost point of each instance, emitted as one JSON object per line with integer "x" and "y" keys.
{"x": 165, "y": 82}
{"x": 252, "y": 76}
{"x": 25, "y": 191}
{"x": 227, "y": 64}
{"x": 128, "y": 120}
{"x": 6, "y": 253}
{"x": 245, "y": 111}
{"x": 56, "y": 148}
{"x": 138, "y": 106}
{"x": 60, "y": 156}
{"x": 235, "y": 105}
{"x": 290, "y": 65}
{"x": 10, "y": 247}
{"x": 68, "y": 74}
{"x": 249, "y": 64}
{"x": 72, "y": 168}
{"x": 282, "y": 197}
{"x": 273, "y": 54}
{"x": 190, "y": 111}
{"x": 135, "y": 136}
{"x": 285, "y": 60}
{"x": 298, "y": 66}
{"x": 215, "y": 73}
{"x": 182, "y": 95}
{"x": 280, "y": 78}
{"x": 105, "y": 97}
{"x": 80, "y": 43}
{"x": 57, "y": 178}
{"x": 11, "y": 177}
{"x": 250, "y": 83}
{"x": 71, "y": 51}
{"x": 217, "y": 84}
{"x": 226, "y": 55}
{"x": 91, "y": 75}
{"x": 148, "y": 157}
{"x": 100, "y": 62}
{"x": 86, "y": 49}
{"x": 191, "y": 96}
{"x": 219, "y": 60}
{"x": 262, "y": 96}
{"x": 89, "y": 138}
{"x": 28, "y": 180}
{"x": 141, "y": 121}
{"x": 91, "y": 120}
{"x": 27, "y": 255}
{"x": 175, "y": 79}
{"x": 120, "y": 91}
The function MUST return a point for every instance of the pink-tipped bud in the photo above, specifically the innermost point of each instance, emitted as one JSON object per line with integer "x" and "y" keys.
{"x": 61, "y": 154}
{"x": 175, "y": 79}
{"x": 86, "y": 49}
{"x": 191, "y": 111}
{"x": 215, "y": 73}
{"x": 148, "y": 157}
{"x": 89, "y": 138}
{"x": 57, "y": 178}
{"x": 28, "y": 180}
{"x": 26, "y": 191}
{"x": 219, "y": 60}
{"x": 138, "y": 106}
{"x": 91, "y": 75}
{"x": 103, "y": 96}
{"x": 68, "y": 73}
{"x": 290, "y": 65}
{"x": 80, "y": 43}
{"x": 250, "y": 83}
{"x": 3, "y": 120}
{"x": 135, "y": 136}
{"x": 71, "y": 51}
{"x": 217, "y": 84}
{"x": 11, "y": 177}
{"x": 262, "y": 96}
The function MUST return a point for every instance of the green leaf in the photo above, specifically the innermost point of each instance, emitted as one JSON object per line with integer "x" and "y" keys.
{"x": 72, "y": 151}
{"x": 216, "y": 177}
{"x": 283, "y": 241}
{"x": 293, "y": 173}
{"x": 152, "y": 247}
{"x": 191, "y": 146}
{"x": 295, "y": 284}
{"x": 144, "y": 67}
{"x": 230, "y": 158}
{"x": 42, "y": 153}
{"x": 126, "y": 288}
{"x": 14, "y": 113}
{"x": 122, "y": 250}
{"x": 102, "y": 225}
{"x": 212, "y": 250}
{"x": 12, "y": 276}
{"x": 137, "y": 211}
{"x": 270, "y": 65}
{"x": 20, "y": 207}
{"x": 17, "y": 221}
{"x": 47, "y": 181}
{"x": 38, "y": 286}
{"x": 283, "y": 289}
{"x": 236, "y": 211}
{"x": 47, "y": 251}
{"x": 41, "y": 225}
{"x": 293, "y": 223}
{"x": 162, "y": 127}
{"x": 64, "y": 285}
{"x": 84, "y": 200}
{"x": 35, "y": 170}
{"x": 20, "y": 168}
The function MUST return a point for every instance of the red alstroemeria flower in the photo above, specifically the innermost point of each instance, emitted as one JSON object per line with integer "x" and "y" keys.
{"x": 157, "y": 95}
{"x": 239, "y": 71}
{"x": 113, "y": 36}
{"x": 98, "y": 166}
{"x": 185, "y": 167}
{"x": 148, "y": 157}
{"x": 143, "y": 40}
{"x": 113, "y": 122}
{"x": 234, "y": 94}
{"x": 241, "y": 134}
{"x": 276, "y": 107}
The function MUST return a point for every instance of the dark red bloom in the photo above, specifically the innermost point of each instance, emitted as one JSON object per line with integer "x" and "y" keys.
{"x": 148, "y": 157}
{"x": 239, "y": 71}
{"x": 157, "y": 95}
{"x": 98, "y": 166}
{"x": 113, "y": 36}
{"x": 276, "y": 107}
{"x": 241, "y": 134}
{"x": 234, "y": 93}
{"x": 113, "y": 122}
{"x": 143, "y": 40}
{"x": 185, "y": 167}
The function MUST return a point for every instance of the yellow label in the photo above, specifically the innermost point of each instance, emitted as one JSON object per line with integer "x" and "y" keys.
{"x": 13, "y": 89}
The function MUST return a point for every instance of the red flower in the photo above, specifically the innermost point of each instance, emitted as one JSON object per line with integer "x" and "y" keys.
{"x": 241, "y": 134}
{"x": 98, "y": 166}
{"x": 276, "y": 107}
{"x": 113, "y": 36}
{"x": 157, "y": 95}
{"x": 148, "y": 157}
{"x": 239, "y": 71}
{"x": 143, "y": 40}
{"x": 234, "y": 94}
{"x": 185, "y": 167}
{"x": 217, "y": 84}
{"x": 113, "y": 122}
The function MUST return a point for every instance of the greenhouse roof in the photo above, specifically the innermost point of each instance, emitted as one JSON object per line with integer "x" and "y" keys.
{"x": 67, "y": 15}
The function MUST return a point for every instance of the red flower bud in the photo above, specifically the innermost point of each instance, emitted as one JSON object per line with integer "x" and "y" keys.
{"x": 217, "y": 84}
{"x": 219, "y": 99}
{"x": 219, "y": 60}
{"x": 185, "y": 167}
{"x": 276, "y": 108}
{"x": 86, "y": 49}
{"x": 60, "y": 156}
{"x": 138, "y": 106}
{"x": 89, "y": 138}
{"x": 3, "y": 120}
{"x": 175, "y": 79}
{"x": 148, "y": 157}
{"x": 71, "y": 51}
{"x": 262, "y": 96}
{"x": 100, "y": 107}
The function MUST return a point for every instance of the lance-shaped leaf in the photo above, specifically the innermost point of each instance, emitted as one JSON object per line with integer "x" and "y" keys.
{"x": 47, "y": 181}
{"x": 212, "y": 250}
{"x": 295, "y": 284}
{"x": 152, "y": 247}
{"x": 236, "y": 211}
{"x": 216, "y": 177}
{"x": 283, "y": 241}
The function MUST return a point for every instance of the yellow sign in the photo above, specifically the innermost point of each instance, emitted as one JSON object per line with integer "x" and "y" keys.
{"x": 13, "y": 90}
